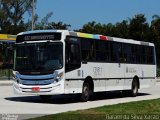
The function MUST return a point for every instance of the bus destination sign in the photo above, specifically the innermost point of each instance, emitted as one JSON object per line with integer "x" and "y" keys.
{"x": 39, "y": 37}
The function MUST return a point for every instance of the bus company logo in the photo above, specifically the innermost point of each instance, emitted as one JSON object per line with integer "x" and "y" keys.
{"x": 97, "y": 71}
{"x": 9, "y": 117}
{"x": 130, "y": 70}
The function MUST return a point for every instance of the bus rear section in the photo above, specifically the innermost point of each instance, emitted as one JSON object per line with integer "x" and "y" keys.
{"x": 113, "y": 64}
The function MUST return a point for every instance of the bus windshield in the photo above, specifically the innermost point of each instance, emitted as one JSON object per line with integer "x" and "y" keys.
{"x": 39, "y": 58}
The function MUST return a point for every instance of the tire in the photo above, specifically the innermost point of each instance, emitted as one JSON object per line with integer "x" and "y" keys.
{"x": 86, "y": 91}
{"x": 134, "y": 90}
{"x": 45, "y": 98}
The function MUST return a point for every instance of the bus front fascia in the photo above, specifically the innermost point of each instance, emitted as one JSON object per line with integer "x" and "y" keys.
{"x": 48, "y": 84}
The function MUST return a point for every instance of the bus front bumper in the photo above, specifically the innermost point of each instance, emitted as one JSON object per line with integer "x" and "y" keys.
{"x": 51, "y": 89}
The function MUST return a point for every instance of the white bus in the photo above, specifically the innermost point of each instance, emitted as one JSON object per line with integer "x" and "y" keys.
{"x": 49, "y": 62}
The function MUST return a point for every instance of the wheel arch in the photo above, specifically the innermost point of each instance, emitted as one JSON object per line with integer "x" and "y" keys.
{"x": 137, "y": 79}
{"x": 89, "y": 80}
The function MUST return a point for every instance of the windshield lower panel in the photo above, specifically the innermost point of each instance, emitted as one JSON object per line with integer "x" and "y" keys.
{"x": 39, "y": 58}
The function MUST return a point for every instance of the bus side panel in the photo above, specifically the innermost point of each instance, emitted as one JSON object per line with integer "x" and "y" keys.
{"x": 77, "y": 77}
{"x": 145, "y": 73}
{"x": 74, "y": 81}
{"x": 148, "y": 76}
{"x": 97, "y": 72}
{"x": 110, "y": 76}
{"x": 131, "y": 70}
{"x": 106, "y": 77}
{"x": 115, "y": 76}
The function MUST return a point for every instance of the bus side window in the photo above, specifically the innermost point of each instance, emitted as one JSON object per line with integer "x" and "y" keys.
{"x": 116, "y": 52}
{"x": 72, "y": 56}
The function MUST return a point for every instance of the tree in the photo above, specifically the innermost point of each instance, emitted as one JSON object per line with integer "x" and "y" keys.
{"x": 155, "y": 30}
{"x": 139, "y": 28}
{"x": 122, "y": 29}
{"x": 11, "y": 15}
{"x": 88, "y": 28}
{"x": 133, "y": 28}
{"x": 98, "y": 28}
{"x": 109, "y": 29}
{"x": 58, "y": 25}
{"x": 45, "y": 24}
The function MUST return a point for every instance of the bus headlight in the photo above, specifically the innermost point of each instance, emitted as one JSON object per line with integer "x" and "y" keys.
{"x": 15, "y": 76}
{"x": 15, "y": 73}
{"x": 59, "y": 77}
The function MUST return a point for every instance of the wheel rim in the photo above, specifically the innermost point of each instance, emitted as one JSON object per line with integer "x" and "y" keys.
{"x": 85, "y": 92}
{"x": 135, "y": 88}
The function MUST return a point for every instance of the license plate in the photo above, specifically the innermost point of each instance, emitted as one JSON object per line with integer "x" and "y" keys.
{"x": 35, "y": 89}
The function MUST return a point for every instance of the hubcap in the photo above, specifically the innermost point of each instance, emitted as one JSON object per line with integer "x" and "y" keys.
{"x": 135, "y": 88}
{"x": 86, "y": 92}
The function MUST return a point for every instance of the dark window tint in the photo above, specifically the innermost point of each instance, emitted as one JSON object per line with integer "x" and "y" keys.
{"x": 93, "y": 50}
{"x": 88, "y": 49}
{"x": 102, "y": 51}
{"x": 129, "y": 53}
{"x": 72, "y": 55}
{"x": 138, "y": 54}
{"x": 116, "y": 51}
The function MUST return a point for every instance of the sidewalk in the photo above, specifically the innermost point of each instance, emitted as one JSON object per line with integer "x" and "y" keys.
{"x": 6, "y": 82}
{"x": 158, "y": 79}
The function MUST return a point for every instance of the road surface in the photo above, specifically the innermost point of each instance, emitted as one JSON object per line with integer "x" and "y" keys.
{"x": 20, "y": 104}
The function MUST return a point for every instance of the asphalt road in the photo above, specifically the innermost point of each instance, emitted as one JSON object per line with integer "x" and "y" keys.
{"x": 32, "y": 106}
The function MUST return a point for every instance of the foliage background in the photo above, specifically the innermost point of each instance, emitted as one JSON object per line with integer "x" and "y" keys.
{"x": 12, "y": 22}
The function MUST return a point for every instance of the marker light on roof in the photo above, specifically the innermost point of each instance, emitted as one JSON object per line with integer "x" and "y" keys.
{"x": 103, "y": 37}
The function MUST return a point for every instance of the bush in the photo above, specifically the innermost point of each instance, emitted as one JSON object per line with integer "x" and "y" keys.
{"x": 158, "y": 72}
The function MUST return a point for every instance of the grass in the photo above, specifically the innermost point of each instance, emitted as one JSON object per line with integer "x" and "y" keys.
{"x": 132, "y": 110}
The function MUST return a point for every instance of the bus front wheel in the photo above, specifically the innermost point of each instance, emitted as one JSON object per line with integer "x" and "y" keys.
{"x": 85, "y": 92}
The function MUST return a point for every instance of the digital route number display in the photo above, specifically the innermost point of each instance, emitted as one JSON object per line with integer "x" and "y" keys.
{"x": 38, "y": 37}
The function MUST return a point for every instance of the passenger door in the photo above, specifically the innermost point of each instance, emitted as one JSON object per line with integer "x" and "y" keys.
{"x": 72, "y": 64}
{"x": 116, "y": 68}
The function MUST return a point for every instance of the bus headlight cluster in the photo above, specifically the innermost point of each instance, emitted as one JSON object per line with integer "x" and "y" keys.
{"x": 59, "y": 77}
{"x": 15, "y": 76}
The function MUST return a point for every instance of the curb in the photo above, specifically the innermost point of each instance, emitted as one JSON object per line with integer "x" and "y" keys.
{"x": 158, "y": 80}
{"x": 6, "y": 82}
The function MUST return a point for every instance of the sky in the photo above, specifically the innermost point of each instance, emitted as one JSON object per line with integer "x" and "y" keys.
{"x": 79, "y": 12}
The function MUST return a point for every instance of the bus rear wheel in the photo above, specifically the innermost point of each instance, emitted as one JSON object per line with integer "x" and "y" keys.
{"x": 86, "y": 91}
{"x": 134, "y": 90}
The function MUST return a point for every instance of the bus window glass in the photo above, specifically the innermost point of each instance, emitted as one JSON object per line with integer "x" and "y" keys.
{"x": 41, "y": 57}
{"x": 102, "y": 51}
{"x": 116, "y": 52}
{"x": 73, "y": 60}
{"x": 88, "y": 49}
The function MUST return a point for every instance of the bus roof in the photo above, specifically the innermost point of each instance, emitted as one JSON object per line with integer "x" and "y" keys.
{"x": 91, "y": 36}
{"x": 76, "y": 34}
{"x": 107, "y": 38}
{"x": 7, "y": 37}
